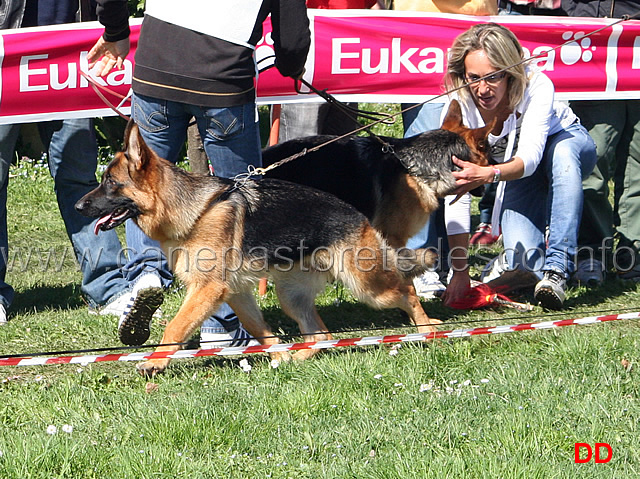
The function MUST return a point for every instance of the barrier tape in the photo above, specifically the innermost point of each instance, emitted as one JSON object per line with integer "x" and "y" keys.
{"x": 364, "y": 341}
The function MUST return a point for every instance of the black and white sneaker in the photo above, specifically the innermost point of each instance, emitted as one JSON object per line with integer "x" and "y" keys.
{"x": 227, "y": 339}
{"x": 550, "y": 291}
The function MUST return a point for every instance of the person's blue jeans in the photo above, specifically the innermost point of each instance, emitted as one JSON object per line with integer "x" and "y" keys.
{"x": 231, "y": 140}
{"x": 419, "y": 119}
{"x": 551, "y": 196}
{"x": 72, "y": 156}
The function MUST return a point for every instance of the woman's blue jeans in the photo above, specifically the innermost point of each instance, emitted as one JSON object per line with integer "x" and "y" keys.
{"x": 552, "y": 196}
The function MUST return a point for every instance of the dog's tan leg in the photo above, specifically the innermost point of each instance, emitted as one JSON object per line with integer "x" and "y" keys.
{"x": 417, "y": 315}
{"x": 249, "y": 314}
{"x": 198, "y": 305}
{"x": 297, "y": 294}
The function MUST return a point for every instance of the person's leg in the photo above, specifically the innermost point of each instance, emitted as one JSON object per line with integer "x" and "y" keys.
{"x": 72, "y": 153}
{"x": 551, "y": 196}
{"x": 433, "y": 234}
{"x": 298, "y": 120}
{"x": 163, "y": 126}
{"x": 231, "y": 139}
{"x": 523, "y": 222}
{"x": 570, "y": 156}
{"x": 605, "y": 121}
{"x": 8, "y": 138}
{"x": 627, "y": 194}
{"x": 421, "y": 118}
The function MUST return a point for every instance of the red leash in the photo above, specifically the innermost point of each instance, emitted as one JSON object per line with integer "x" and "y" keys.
{"x": 97, "y": 87}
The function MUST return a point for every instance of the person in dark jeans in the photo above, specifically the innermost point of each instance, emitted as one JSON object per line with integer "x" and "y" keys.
{"x": 72, "y": 154}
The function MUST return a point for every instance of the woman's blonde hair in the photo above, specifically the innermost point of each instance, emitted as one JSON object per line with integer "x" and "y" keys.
{"x": 503, "y": 50}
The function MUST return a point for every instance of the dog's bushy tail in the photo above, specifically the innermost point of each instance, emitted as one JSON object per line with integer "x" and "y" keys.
{"x": 413, "y": 262}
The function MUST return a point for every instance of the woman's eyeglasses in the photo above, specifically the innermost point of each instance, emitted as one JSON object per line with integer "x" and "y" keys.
{"x": 491, "y": 80}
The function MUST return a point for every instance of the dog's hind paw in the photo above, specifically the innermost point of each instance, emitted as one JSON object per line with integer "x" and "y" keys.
{"x": 281, "y": 356}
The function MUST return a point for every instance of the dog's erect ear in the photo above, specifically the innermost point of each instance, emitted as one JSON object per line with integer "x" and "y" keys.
{"x": 137, "y": 150}
{"x": 481, "y": 134}
{"x": 453, "y": 119}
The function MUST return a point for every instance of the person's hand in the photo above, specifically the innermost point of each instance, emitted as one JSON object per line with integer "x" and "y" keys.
{"x": 106, "y": 55}
{"x": 471, "y": 176}
{"x": 457, "y": 288}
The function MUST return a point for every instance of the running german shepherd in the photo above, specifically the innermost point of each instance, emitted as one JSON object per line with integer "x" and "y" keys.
{"x": 220, "y": 238}
{"x": 394, "y": 182}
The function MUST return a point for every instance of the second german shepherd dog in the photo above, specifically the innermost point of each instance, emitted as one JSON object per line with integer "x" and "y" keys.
{"x": 394, "y": 182}
{"x": 220, "y": 238}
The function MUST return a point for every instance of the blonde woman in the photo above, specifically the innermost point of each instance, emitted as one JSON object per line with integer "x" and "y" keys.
{"x": 540, "y": 153}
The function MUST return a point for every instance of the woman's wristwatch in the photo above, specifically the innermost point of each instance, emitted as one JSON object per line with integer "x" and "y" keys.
{"x": 496, "y": 175}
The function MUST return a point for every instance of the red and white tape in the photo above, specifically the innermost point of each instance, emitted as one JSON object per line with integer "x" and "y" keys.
{"x": 365, "y": 341}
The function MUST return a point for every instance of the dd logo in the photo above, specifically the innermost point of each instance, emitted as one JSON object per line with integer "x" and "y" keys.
{"x": 598, "y": 458}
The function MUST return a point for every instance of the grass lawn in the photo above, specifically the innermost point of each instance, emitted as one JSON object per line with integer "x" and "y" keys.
{"x": 498, "y": 406}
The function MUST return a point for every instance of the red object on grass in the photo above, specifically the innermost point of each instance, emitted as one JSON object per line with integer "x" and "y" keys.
{"x": 482, "y": 296}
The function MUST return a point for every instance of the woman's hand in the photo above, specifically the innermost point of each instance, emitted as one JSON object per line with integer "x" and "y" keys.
{"x": 471, "y": 176}
{"x": 457, "y": 288}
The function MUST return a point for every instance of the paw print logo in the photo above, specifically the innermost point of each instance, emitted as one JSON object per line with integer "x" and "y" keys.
{"x": 265, "y": 54}
{"x": 579, "y": 49}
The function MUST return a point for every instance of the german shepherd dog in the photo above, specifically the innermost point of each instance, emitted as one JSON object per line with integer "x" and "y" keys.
{"x": 221, "y": 237}
{"x": 394, "y": 182}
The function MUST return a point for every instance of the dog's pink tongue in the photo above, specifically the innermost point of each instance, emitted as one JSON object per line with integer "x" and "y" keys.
{"x": 100, "y": 222}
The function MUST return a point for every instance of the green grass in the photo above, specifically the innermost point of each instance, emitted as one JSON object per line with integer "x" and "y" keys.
{"x": 500, "y": 406}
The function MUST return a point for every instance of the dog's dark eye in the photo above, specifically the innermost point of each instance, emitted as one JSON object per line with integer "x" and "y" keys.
{"x": 110, "y": 182}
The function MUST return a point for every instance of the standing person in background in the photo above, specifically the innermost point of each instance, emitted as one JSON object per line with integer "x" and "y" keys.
{"x": 72, "y": 155}
{"x": 321, "y": 118}
{"x": 615, "y": 127}
{"x": 426, "y": 117}
{"x": 531, "y": 7}
{"x": 195, "y": 60}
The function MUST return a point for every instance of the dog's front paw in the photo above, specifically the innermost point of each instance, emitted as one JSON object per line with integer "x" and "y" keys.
{"x": 152, "y": 367}
{"x": 428, "y": 328}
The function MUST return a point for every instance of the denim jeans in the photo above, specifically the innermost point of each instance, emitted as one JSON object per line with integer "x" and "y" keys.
{"x": 551, "y": 196}
{"x": 231, "y": 139}
{"x": 307, "y": 119}
{"x": 72, "y": 155}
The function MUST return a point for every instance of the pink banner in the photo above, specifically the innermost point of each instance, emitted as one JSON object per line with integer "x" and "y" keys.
{"x": 358, "y": 55}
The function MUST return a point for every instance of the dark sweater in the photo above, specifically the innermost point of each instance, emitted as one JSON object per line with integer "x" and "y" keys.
{"x": 600, "y": 8}
{"x": 178, "y": 64}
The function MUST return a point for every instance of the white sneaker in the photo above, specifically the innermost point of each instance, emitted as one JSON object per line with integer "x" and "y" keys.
{"x": 589, "y": 272}
{"x": 225, "y": 339}
{"x": 114, "y": 307}
{"x": 428, "y": 285}
{"x": 3, "y": 315}
{"x": 117, "y": 306}
{"x": 494, "y": 268}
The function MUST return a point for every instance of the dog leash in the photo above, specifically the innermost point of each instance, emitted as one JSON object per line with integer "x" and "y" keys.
{"x": 97, "y": 87}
